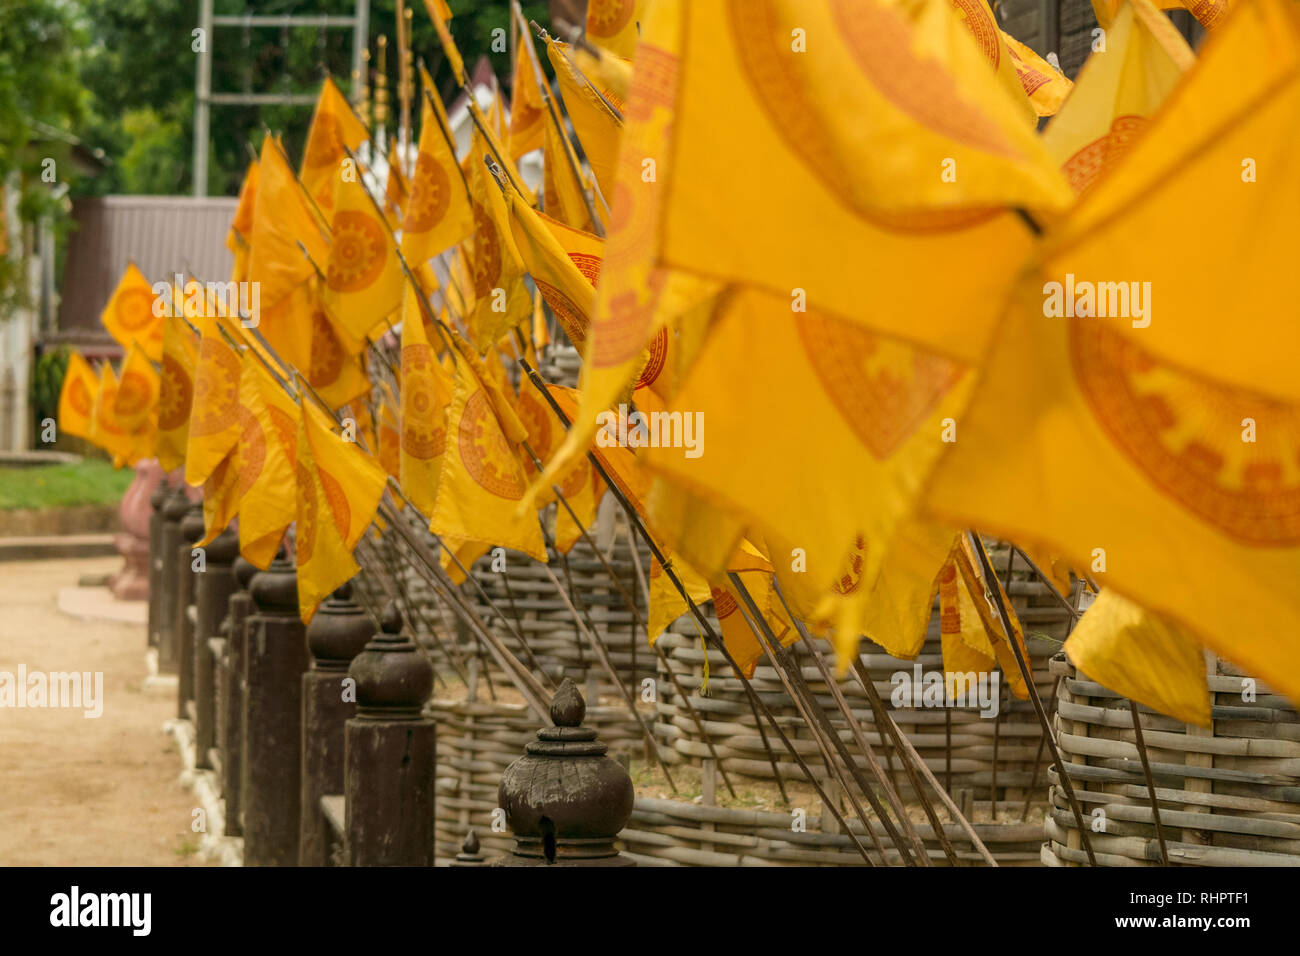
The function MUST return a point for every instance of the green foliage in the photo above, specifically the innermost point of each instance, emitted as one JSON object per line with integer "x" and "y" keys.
{"x": 47, "y": 383}
{"x": 90, "y": 482}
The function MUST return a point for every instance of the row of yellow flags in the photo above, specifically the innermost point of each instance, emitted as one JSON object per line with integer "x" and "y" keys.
{"x": 828, "y": 484}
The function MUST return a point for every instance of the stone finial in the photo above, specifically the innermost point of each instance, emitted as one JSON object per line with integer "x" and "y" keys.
{"x": 339, "y": 631}
{"x": 393, "y": 676}
{"x": 469, "y": 854}
{"x": 565, "y": 799}
{"x": 177, "y": 504}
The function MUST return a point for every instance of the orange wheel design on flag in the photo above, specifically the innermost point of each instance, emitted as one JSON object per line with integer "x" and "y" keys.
{"x": 134, "y": 393}
{"x": 134, "y": 309}
{"x": 325, "y": 142}
{"x": 1083, "y": 168}
{"x": 358, "y": 251}
{"x": 851, "y": 579}
{"x": 308, "y": 513}
{"x": 286, "y": 431}
{"x": 252, "y": 452}
{"x": 1184, "y": 432}
{"x": 949, "y": 601}
{"x": 79, "y": 397}
{"x": 216, "y": 393}
{"x": 484, "y": 450}
{"x": 566, "y": 312}
{"x": 537, "y": 420}
{"x": 487, "y": 253}
{"x": 575, "y": 479}
{"x": 327, "y": 354}
{"x": 879, "y": 40}
{"x": 883, "y": 389}
{"x": 175, "y": 394}
{"x": 656, "y": 358}
{"x": 1208, "y": 12}
{"x": 724, "y": 605}
{"x": 421, "y": 438}
{"x": 430, "y": 195}
{"x": 337, "y": 500}
{"x": 608, "y": 18}
{"x": 978, "y": 19}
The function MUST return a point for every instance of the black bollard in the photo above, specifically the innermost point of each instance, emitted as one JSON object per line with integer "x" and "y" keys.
{"x": 231, "y": 719}
{"x": 191, "y": 531}
{"x": 565, "y": 800}
{"x": 212, "y": 589}
{"x": 157, "y": 498}
{"x": 274, "y": 661}
{"x": 389, "y": 759}
{"x": 174, "y": 509}
{"x": 337, "y": 634}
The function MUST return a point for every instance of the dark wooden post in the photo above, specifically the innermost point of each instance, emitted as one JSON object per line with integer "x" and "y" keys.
{"x": 159, "y": 496}
{"x": 337, "y": 634}
{"x": 565, "y": 800}
{"x": 191, "y": 530}
{"x": 174, "y": 509}
{"x": 274, "y": 660}
{"x": 389, "y": 755}
{"x": 229, "y": 728}
{"x": 212, "y": 589}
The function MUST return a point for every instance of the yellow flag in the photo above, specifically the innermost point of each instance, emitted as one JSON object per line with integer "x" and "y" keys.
{"x": 836, "y": 448}
{"x": 220, "y": 498}
{"x": 104, "y": 429}
{"x": 390, "y": 435}
{"x": 77, "y": 397}
{"x": 527, "y": 109}
{"x": 175, "y": 392}
{"x": 501, "y": 297}
{"x": 337, "y": 375}
{"x": 890, "y": 146}
{"x": 282, "y": 217}
{"x": 338, "y": 492}
{"x": 335, "y": 129}
{"x": 1139, "y": 655}
{"x": 1211, "y": 171}
{"x": 737, "y": 635}
{"x": 595, "y": 120}
{"x": 240, "y": 235}
{"x": 363, "y": 278}
{"x": 1079, "y": 440}
{"x": 425, "y": 395}
{"x": 666, "y": 602}
{"x": 130, "y": 314}
{"x": 1046, "y": 86}
{"x": 437, "y": 215}
{"x": 579, "y": 484}
{"x": 1118, "y": 93}
{"x": 440, "y": 13}
{"x": 977, "y": 17}
{"x": 612, "y": 24}
{"x": 563, "y": 183}
{"x": 214, "y": 417}
{"x": 288, "y": 326}
{"x": 980, "y": 638}
{"x": 482, "y": 480}
{"x": 564, "y": 263}
{"x": 137, "y": 390}
{"x": 267, "y": 457}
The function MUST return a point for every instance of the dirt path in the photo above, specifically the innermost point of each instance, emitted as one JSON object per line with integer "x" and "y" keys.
{"x": 78, "y": 791}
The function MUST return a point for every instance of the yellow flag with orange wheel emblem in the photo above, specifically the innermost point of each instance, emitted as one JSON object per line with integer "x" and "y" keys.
{"x": 137, "y": 390}
{"x": 131, "y": 316}
{"x": 175, "y": 392}
{"x": 338, "y": 492}
{"x": 612, "y": 24}
{"x": 425, "y": 395}
{"x": 77, "y": 397}
{"x": 214, "y": 416}
{"x": 239, "y": 238}
{"x": 595, "y": 119}
{"x": 363, "y": 278}
{"x": 267, "y": 456}
{"x": 482, "y": 480}
{"x": 104, "y": 428}
{"x": 1080, "y": 440}
{"x": 1210, "y": 13}
{"x": 1046, "y": 86}
{"x": 283, "y": 217}
{"x": 337, "y": 373}
{"x": 335, "y": 129}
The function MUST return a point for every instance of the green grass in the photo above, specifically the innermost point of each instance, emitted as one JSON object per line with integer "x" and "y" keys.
{"x": 92, "y": 482}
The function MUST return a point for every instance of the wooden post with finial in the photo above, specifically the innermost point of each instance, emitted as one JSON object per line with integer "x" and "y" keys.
{"x": 174, "y": 509}
{"x": 189, "y": 531}
{"x": 230, "y": 728}
{"x": 389, "y": 767}
{"x": 214, "y": 582}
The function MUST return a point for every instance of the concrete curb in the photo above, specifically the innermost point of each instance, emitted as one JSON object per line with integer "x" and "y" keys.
{"x": 214, "y": 845}
{"x": 53, "y": 547}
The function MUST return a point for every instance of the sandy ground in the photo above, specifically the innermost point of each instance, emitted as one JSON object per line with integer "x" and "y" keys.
{"x": 76, "y": 791}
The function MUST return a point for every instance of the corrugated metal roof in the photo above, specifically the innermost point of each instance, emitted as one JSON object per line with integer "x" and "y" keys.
{"x": 162, "y": 235}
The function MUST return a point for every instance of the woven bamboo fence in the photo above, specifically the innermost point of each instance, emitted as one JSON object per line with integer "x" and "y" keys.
{"x": 1228, "y": 795}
